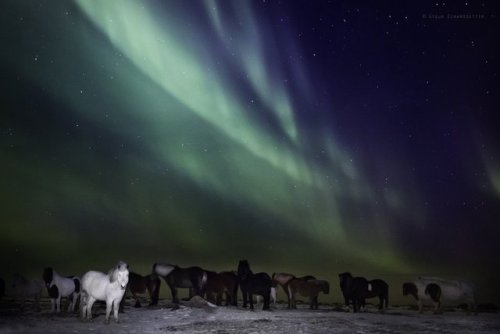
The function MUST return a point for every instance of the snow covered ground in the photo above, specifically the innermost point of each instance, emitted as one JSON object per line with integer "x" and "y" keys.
{"x": 198, "y": 317}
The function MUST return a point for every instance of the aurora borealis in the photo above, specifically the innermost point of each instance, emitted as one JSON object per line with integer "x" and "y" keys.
{"x": 311, "y": 137}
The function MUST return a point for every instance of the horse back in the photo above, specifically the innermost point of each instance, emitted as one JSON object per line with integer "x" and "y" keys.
{"x": 136, "y": 283}
{"x": 95, "y": 283}
{"x": 302, "y": 287}
{"x": 282, "y": 278}
{"x": 259, "y": 283}
{"x": 262, "y": 278}
{"x": 187, "y": 277}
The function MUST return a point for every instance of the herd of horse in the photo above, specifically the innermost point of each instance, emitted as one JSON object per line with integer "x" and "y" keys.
{"x": 223, "y": 286}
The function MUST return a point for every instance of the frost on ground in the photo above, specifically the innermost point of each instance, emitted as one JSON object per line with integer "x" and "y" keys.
{"x": 198, "y": 317}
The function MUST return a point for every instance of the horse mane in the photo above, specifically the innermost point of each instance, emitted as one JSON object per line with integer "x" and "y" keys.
{"x": 113, "y": 272}
{"x": 48, "y": 274}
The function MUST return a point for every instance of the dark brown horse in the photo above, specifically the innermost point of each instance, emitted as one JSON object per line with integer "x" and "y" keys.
{"x": 307, "y": 288}
{"x": 218, "y": 284}
{"x": 176, "y": 277}
{"x": 358, "y": 289}
{"x": 250, "y": 283}
{"x": 282, "y": 279}
{"x": 138, "y": 284}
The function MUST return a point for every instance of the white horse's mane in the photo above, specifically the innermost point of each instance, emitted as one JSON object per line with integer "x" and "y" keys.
{"x": 113, "y": 272}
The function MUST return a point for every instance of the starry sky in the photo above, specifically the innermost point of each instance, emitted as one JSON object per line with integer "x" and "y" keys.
{"x": 313, "y": 137}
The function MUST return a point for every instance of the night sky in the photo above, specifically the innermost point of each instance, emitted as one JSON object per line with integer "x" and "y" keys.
{"x": 312, "y": 137}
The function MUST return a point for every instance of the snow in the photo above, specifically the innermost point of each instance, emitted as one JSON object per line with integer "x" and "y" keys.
{"x": 196, "y": 316}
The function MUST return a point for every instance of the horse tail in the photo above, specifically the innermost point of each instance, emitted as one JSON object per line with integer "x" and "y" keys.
{"x": 204, "y": 279}
{"x": 78, "y": 284}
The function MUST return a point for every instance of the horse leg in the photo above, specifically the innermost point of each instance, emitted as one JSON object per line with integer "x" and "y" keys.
{"x": 137, "y": 301}
{"x": 37, "y": 302}
{"x": 116, "y": 304}
{"x": 109, "y": 305}
{"x": 154, "y": 293}
{"x": 273, "y": 295}
{"x": 251, "y": 300}
{"x": 218, "y": 298}
{"x": 292, "y": 299}
{"x": 229, "y": 298}
{"x": 267, "y": 299}
{"x": 90, "y": 303}
{"x": 244, "y": 293}
{"x": 71, "y": 306}
{"x": 83, "y": 305}
{"x": 285, "y": 288}
{"x": 53, "y": 305}
{"x": 173, "y": 290}
{"x": 436, "y": 307}
{"x": 196, "y": 284}
{"x": 58, "y": 304}
{"x": 473, "y": 307}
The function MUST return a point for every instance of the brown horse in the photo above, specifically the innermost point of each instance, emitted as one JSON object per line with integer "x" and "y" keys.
{"x": 282, "y": 279}
{"x": 307, "y": 288}
{"x": 138, "y": 284}
{"x": 218, "y": 284}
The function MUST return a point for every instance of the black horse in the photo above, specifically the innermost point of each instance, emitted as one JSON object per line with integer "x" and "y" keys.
{"x": 358, "y": 289}
{"x": 250, "y": 283}
{"x": 176, "y": 277}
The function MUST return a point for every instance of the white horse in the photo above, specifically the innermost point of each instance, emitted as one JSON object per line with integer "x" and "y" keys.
{"x": 453, "y": 292}
{"x": 59, "y": 286}
{"x": 110, "y": 288}
{"x": 28, "y": 289}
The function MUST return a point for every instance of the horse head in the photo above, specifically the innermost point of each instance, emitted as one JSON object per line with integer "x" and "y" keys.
{"x": 48, "y": 275}
{"x": 345, "y": 280}
{"x": 243, "y": 268}
{"x": 120, "y": 274}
